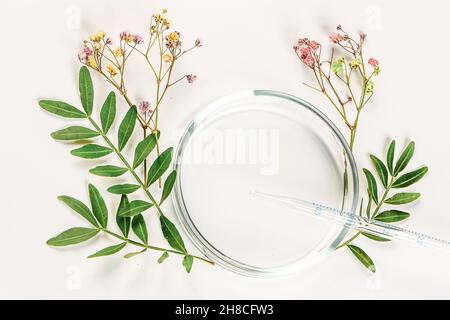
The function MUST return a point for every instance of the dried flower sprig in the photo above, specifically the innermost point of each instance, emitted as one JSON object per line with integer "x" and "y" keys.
{"x": 351, "y": 70}
{"x": 356, "y": 75}
{"x": 100, "y": 55}
{"x": 162, "y": 52}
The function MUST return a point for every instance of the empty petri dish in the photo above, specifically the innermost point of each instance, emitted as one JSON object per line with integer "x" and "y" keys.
{"x": 264, "y": 141}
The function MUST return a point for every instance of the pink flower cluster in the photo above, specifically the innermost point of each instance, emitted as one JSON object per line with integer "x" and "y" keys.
{"x": 137, "y": 39}
{"x": 374, "y": 63}
{"x": 191, "y": 78}
{"x": 84, "y": 55}
{"x": 305, "y": 50}
{"x": 144, "y": 106}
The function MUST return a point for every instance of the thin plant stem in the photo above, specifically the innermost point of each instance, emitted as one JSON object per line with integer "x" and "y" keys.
{"x": 150, "y": 247}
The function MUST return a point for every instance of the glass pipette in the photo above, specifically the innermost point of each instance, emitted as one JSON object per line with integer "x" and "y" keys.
{"x": 358, "y": 223}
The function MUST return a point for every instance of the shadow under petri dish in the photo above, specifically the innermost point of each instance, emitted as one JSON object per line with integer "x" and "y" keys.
{"x": 267, "y": 146}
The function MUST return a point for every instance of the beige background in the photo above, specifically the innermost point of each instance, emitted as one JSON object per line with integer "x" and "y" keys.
{"x": 247, "y": 45}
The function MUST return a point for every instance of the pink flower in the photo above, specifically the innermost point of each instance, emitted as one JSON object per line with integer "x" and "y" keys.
{"x": 137, "y": 39}
{"x": 124, "y": 35}
{"x": 314, "y": 45}
{"x": 191, "y": 78}
{"x": 336, "y": 37}
{"x": 144, "y": 106}
{"x": 374, "y": 63}
{"x": 198, "y": 42}
{"x": 310, "y": 61}
{"x": 84, "y": 55}
{"x": 303, "y": 41}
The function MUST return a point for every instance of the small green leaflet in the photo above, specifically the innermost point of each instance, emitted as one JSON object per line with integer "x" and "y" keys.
{"x": 98, "y": 205}
{"x": 61, "y": 109}
{"x": 143, "y": 149}
{"x": 91, "y": 151}
{"x": 390, "y": 157}
{"x": 123, "y": 188}
{"x": 404, "y": 159}
{"x": 109, "y": 250}
{"x": 123, "y": 222}
{"x": 133, "y": 254}
{"x": 171, "y": 234}
{"x": 187, "y": 263}
{"x": 74, "y": 133}
{"x": 392, "y": 216}
{"x": 159, "y": 166}
{"x": 402, "y": 198}
{"x": 362, "y": 257}
{"x": 375, "y": 238}
{"x": 86, "y": 90}
{"x": 108, "y": 171}
{"x": 80, "y": 208}
{"x": 381, "y": 170}
{"x": 135, "y": 207}
{"x": 163, "y": 257}
{"x": 372, "y": 185}
{"x": 168, "y": 185}
{"x": 126, "y": 127}
{"x": 410, "y": 178}
{"x": 108, "y": 112}
{"x": 140, "y": 228}
{"x": 72, "y": 236}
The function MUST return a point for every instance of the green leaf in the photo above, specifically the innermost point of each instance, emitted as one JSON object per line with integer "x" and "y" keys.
{"x": 98, "y": 206}
{"x": 362, "y": 257}
{"x": 187, "y": 263}
{"x": 108, "y": 171}
{"x": 126, "y": 127}
{"x": 381, "y": 170}
{"x": 392, "y": 216}
{"x": 409, "y": 178}
{"x": 372, "y": 185}
{"x": 133, "y": 254}
{"x": 72, "y": 236}
{"x": 136, "y": 207}
{"x": 168, "y": 185}
{"x": 86, "y": 90}
{"x": 390, "y": 157}
{"x": 61, "y": 109}
{"x": 404, "y": 159}
{"x": 108, "y": 250}
{"x": 402, "y": 198}
{"x": 171, "y": 234}
{"x": 108, "y": 112}
{"x": 123, "y": 188}
{"x": 124, "y": 223}
{"x": 143, "y": 149}
{"x": 337, "y": 66}
{"x": 369, "y": 206}
{"x": 163, "y": 257}
{"x": 140, "y": 228}
{"x": 80, "y": 208}
{"x": 375, "y": 238}
{"x": 74, "y": 133}
{"x": 159, "y": 166}
{"x": 91, "y": 151}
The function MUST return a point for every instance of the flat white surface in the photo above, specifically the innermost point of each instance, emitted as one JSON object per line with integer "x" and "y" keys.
{"x": 247, "y": 45}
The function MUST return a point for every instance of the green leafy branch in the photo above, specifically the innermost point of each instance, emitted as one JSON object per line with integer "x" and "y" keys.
{"x": 128, "y": 212}
{"x": 390, "y": 178}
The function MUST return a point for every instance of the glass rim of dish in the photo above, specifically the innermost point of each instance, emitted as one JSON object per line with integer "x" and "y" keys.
{"x": 328, "y": 244}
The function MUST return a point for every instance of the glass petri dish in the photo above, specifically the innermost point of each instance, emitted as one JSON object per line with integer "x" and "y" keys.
{"x": 271, "y": 142}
